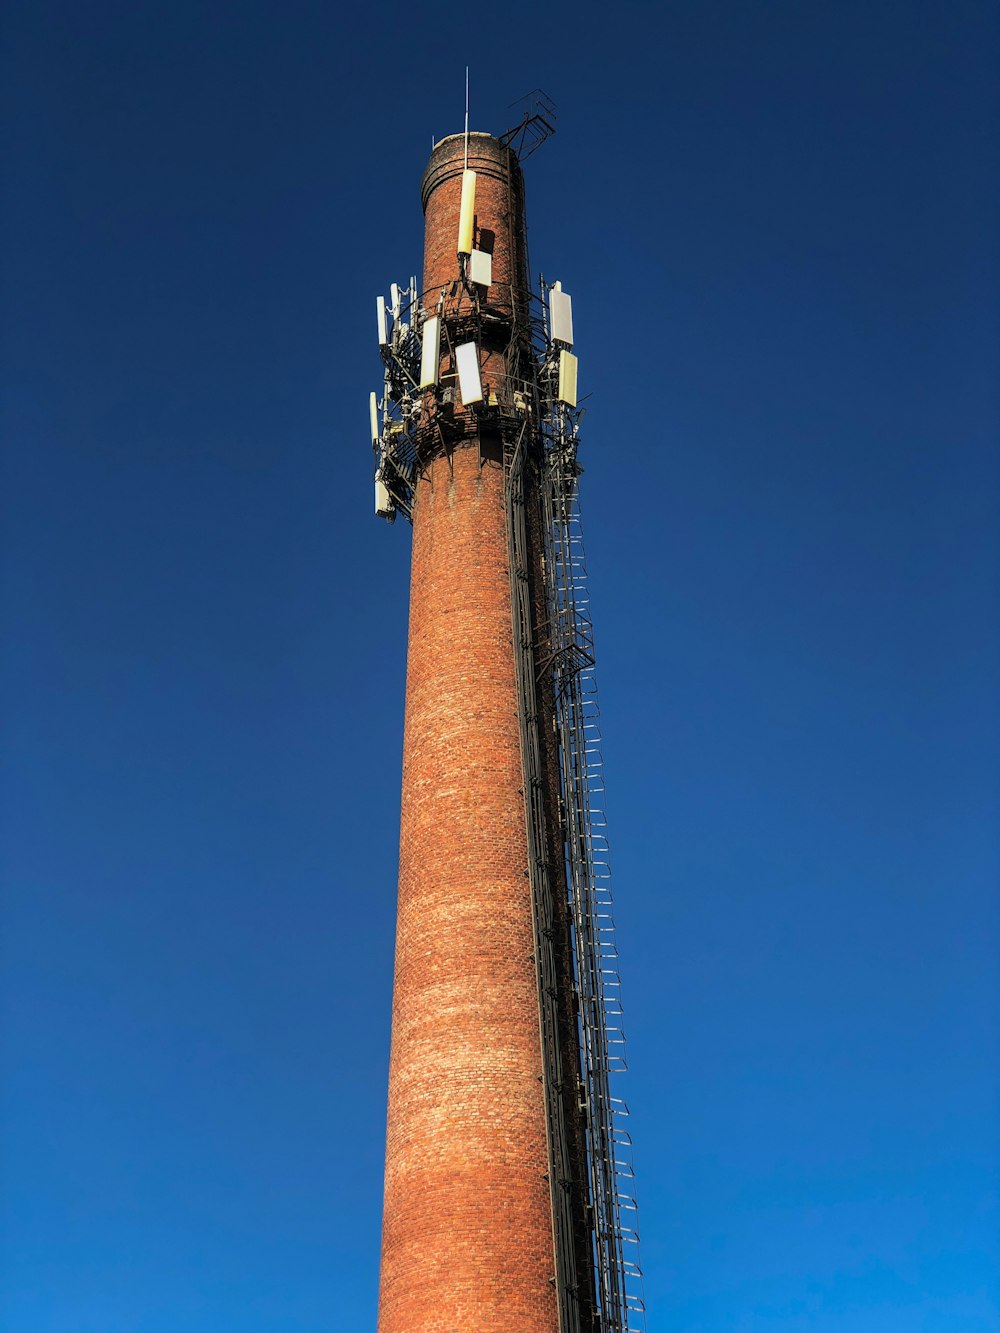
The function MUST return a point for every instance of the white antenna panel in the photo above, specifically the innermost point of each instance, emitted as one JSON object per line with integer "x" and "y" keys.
{"x": 430, "y": 352}
{"x": 561, "y": 315}
{"x": 383, "y": 500}
{"x": 567, "y": 379}
{"x": 481, "y": 268}
{"x": 383, "y": 325}
{"x": 394, "y": 296}
{"x": 373, "y": 414}
{"x": 467, "y": 213}
{"x": 470, "y": 383}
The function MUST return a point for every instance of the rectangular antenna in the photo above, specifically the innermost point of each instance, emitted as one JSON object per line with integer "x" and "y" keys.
{"x": 467, "y": 213}
{"x": 430, "y": 352}
{"x": 384, "y": 508}
{"x": 394, "y": 294}
{"x": 561, "y": 315}
{"x": 567, "y": 379}
{"x": 383, "y": 325}
{"x": 481, "y": 268}
{"x": 470, "y": 383}
{"x": 373, "y": 414}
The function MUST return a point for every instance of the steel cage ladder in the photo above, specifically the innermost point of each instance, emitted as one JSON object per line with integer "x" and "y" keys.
{"x": 618, "y": 1272}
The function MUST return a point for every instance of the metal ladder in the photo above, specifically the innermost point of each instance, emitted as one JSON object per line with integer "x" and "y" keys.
{"x": 598, "y": 984}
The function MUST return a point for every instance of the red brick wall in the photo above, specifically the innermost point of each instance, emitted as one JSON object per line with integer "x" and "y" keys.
{"x": 499, "y": 228}
{"x": 499, "y": 214}
{"x": 467, "y": 1233}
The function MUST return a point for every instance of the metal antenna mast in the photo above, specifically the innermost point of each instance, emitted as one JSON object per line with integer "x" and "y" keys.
{"x": 466, "y": 118}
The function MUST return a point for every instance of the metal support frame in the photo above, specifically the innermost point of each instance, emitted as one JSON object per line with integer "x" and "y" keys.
{"x": 537, "y": 123}
{"x": 396, "y": 462}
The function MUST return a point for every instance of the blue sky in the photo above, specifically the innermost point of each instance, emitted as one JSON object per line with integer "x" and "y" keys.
{"x": 778, "y": 222}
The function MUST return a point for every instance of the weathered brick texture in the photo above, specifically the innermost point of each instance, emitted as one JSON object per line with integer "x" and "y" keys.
{"x": 467, "y": 1233}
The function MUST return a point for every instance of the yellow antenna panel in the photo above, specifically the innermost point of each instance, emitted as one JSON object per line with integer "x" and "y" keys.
{"x": 467, "y": 213}
{"x": 567, "y": 379}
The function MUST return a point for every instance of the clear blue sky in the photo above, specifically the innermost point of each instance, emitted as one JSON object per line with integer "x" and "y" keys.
{"x": 779, "y": 224}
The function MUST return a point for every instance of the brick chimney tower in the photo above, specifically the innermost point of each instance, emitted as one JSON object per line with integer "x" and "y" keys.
{"x": 500, "y": 1212}
{"x": 467, "y": 1229}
